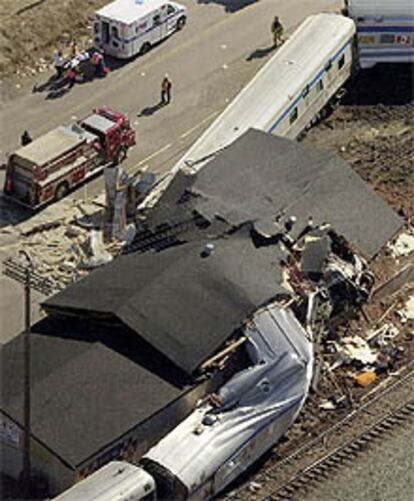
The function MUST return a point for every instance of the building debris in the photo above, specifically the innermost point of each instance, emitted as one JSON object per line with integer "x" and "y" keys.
{"x": 407, "y": 313}
{"x": 356, "y": 349}
{"x": 403, "y": 246}
{"x": 365, "y": 378}
{"x": 98, "y": 255}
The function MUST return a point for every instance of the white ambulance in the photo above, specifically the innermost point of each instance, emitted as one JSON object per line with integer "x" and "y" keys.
{"x": 125, "y": 28}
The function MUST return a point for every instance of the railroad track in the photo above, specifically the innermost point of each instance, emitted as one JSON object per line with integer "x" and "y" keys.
{"x": 320, "y": 469}
{"x": 278, "y": 482}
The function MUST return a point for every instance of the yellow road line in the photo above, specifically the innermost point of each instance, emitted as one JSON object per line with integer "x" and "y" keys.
{"x": 150, "y": 157}
{"x": 189, "y": 131}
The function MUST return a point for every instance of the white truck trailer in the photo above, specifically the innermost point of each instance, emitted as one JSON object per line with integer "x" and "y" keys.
{"x": 385, "y": 30}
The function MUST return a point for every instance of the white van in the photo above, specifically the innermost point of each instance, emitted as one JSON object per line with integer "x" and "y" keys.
{"x": 125, "y": 28}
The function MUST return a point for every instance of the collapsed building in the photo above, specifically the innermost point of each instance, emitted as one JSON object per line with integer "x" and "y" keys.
{"x": 268, "y": 225}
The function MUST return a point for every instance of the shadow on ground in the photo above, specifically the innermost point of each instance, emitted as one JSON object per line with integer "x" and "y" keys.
{"x": 260, "y": 53}
{"x": 150, "y": 110}
{"x": 12, "y": 213}
{"x": 230, "y": 5}
{"x": 390, "y": 84}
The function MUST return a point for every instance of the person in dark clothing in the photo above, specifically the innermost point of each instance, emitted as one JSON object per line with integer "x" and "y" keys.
{"x": 277, "y": 30}
{"x": 166, "y": 86}
{"x": 25, "y": 139}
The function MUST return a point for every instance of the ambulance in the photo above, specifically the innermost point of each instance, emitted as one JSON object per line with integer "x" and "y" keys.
{"x": 125, "y": 28}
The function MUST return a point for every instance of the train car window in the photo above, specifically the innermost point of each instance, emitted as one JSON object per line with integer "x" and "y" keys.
{"x": 387, "y": 38}
{"x": 341, "y": 62}
{"x": 305, "y": 91}
{"x": 293, "y": 116}
{"x": 328, "y": 65}
{"x": 319, "y": 85}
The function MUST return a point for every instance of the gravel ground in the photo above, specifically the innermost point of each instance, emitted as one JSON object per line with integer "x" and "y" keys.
{"x": 383, "y": 472}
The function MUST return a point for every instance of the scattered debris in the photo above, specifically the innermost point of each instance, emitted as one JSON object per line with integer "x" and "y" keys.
{"x": 254, "y": 486}
{"x": 41, "y": 227}
{"x": 357, "y": 349}
{"x": 403, "y": 246}
{"x": 407, "y": 313}
{"x": 383, "y": 335}
{"x": 98, "y": 254}
{"x": 327, "y": 405}
{"x": 365, "y": 378}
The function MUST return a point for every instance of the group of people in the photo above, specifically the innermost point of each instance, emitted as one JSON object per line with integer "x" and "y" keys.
{"x": 70, "y": 68}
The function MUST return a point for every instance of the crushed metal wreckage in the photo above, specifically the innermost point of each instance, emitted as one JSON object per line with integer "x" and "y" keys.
{"x": 244, "y": 268}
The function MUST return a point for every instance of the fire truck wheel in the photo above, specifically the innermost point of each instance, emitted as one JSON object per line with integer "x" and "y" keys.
{"x": 61, "y": 191}
{"x": 181, "y": 23}
{"x": 145, "y": 48}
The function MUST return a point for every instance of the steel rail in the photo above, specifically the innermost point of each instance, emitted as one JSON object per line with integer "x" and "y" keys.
{"x": 318, "y": 470}
{"x": 271, "y": 473}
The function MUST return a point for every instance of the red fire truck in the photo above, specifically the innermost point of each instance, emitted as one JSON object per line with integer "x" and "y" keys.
{"x": 49, "y": 167}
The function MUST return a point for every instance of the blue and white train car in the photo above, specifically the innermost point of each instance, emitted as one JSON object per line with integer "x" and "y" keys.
{"x": 289, "y": 91}
{"x": 385, "y": 30}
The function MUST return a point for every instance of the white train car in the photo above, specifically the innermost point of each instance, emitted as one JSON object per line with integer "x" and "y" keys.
{"x": 289, "y": 91}
{"x": 215, "y": 444}
{"x": 385, "y": 30}
{"x": 116, "y": 481}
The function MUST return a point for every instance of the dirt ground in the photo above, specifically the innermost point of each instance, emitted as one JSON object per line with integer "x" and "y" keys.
{"x": 31, "y": 30}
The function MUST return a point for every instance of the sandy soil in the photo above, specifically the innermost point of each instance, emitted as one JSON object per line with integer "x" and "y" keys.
{"x": 31, "y": 30}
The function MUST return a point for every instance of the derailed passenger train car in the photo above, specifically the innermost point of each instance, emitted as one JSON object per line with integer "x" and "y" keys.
{"x": 232, "y": 429}
{"x": 289, "y": 92}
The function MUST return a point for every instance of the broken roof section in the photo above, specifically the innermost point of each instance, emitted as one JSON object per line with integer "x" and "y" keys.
{"x": 186, "y": 305}
{"x": 183, "y": 302}
{"x": 260, "y": 175}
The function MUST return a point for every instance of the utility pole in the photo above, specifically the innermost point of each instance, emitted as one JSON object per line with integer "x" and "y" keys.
{"x": 27, "y": 406}
{"x": 26, "y": 275}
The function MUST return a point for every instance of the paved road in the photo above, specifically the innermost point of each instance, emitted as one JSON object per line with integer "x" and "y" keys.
{"x": 216, "y": 54}
{"x": 385, "y": 472}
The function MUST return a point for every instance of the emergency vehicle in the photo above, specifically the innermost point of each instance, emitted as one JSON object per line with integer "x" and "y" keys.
{"x": 49, "y": 167}
{"x": 125, "y": 28}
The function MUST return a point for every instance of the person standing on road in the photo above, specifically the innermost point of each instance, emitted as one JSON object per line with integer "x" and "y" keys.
{"x": 277, "y": 30}
{"x": 25, "y": 139}
{"x": 166, "y": 86}
{"x": 58, "y": 63}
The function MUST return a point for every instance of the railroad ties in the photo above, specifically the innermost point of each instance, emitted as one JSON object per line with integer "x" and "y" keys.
{"x": 321, "y": 469}
{"x": 275, "y": 480}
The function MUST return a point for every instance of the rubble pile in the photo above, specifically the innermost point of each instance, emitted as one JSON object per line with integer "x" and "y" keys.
{"x": 65, "y": 241}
